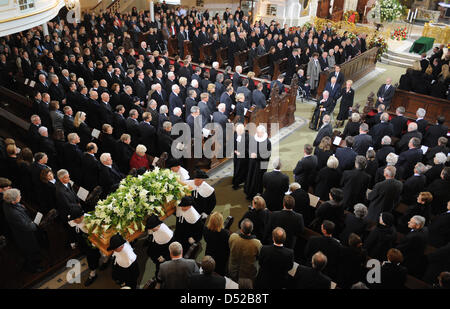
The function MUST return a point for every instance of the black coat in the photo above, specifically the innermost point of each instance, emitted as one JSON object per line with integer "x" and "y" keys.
{"x": 275, "y": 185}
{"x": 352, "y": 263}
{"x": 260, "y": 220}
{"x": 346, "y": 102}
{"x": 90, "y": 167}
{"x": 380, "y": 240}
{"x": 66, "y": 198}
{"x": 124, "y": 152}
{"x": 352, "y": 224}
{"x": 290, "y": 221}
{"x": 412, "y": 187}
{"x": 384, "y": 198}
{"x": 433, "y": 133}
{"x": 147, "y": 138}
{"x": 382, "y": 153}
{"x": 413, "y": 249}
{"x": 217, "y": 247}
{"x": 346, "y": 157}
{"x": 274, "y": 264}
{"x": 305, "y": 172}
{"x": 407, "y": 160}
{"x": 308, "y": 278}
{"x": 108, "y": 178}
{"x": 441, "y": 195}
{"x": 326, "y": 179}
{"x": 72, "y": 156}
{"x": 439, "y": 230}
{"x": 400, "y": 124}
{"x": 361, "y": 144}
{"x": 379, "y": 130}
{"x": 328, "y": 246}
{"x": 402, "y": 144}
{"x": 393, "y": 276}
{"x": 354, "y": 183}
{"x": 324, "y": 131}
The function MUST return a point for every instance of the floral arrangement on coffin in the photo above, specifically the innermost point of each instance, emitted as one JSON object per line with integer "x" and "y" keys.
{"x": 308, "y": 25}
{"x": 125, "y": 210}
{"x": 352, "y": 36}
{"x": 389, "y": 10}
{"x": 399, "y": 34}
{"x": 380, "y": 42}
{"x": 351, "y": 16}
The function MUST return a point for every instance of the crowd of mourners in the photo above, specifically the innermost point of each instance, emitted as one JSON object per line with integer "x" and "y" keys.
{"x": 430, "y": 75}
{"x": 104, "y": 105}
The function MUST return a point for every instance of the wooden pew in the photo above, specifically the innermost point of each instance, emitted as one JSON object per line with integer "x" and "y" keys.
{"x": 354, "y": 69}
{"x": 187, "y": 48}
{"x": 261, "y": 65}
{"x": 206, "y": 53}
{"x": 241, "y": 58}
{"x": 411, "y": 101}
{"x": 172, "y": 46}
{"x": 222, "y": 57}
{"x": 279, "y": 67}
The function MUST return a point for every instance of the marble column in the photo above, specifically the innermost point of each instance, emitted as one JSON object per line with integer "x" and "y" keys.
{"x": 152, "y": 10}
{"x": 45, "y": 29}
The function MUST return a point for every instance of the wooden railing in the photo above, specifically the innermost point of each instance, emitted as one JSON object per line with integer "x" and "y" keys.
{"x": 411, "y": 101}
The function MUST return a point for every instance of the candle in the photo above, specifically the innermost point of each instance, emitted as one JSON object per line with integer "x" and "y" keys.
{"x": 415, "y": 14}
{"x": 409, "y": 15}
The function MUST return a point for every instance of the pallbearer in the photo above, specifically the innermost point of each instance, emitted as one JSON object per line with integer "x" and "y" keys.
{"x": 76, "y": 221}
{"x": 189, "y": 227}
{"x": 204, "y": 195}
{"x": 160, "y": 237}
{"x": 175, "y": 166}
{"x": 125, "y": 268}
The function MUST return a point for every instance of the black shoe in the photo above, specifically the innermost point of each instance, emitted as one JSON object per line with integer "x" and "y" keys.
{"x": 90, "y": 280}
{"x": 235, "y": 187}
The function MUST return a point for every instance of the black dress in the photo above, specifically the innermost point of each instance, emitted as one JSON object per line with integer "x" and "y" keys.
{"x": 84, "y": 133}
{"x": 217, "y": 247}
{"x": 346, "y": 103}
{"x": 240, "y": 164}
{"x": 257, "y": 166}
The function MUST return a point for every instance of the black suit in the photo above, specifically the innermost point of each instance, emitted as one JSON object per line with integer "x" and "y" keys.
{"x": 422, "y": 125}
{"x": 328, "y": 246}
{"x": 439, "y": 230}
{"x": 274, "y": 262}
{"x": 66, "y": 198}
{"x": 275, "y": 185}
{"x": 206, "y": 281}
{"x": 361, "y": 144}
{"x": 354, "y": 183}
{"x": 108, "y": 178}
{"x": 90, "y": 167}
{"x": 147, "y": 136}
{"x": 433, "y": 133}
{"x": 402, "y": 144}
{"x": 326, "y": 130}
{"x": 259, "y": 99}
{"x": 380, "y": 130}
{"x": 72, "y": 156}
{"x": 412, "y": 187}
{"x": 413, "y": 248}
{"x": 387, "y": 95}
{"x": 400, "y": 124}
{"x": 290, "y": 221}
{"x": 407, "y": 160}
{"x": 305, "y": 172}
{"x": 308, "y": 278}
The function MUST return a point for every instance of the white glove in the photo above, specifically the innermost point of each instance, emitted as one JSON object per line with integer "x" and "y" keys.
{"x": 191, "y": 240}
{"x": 161, "y": 259}
{"x": 73, "y": 245}
{"x": 204, "y": 216}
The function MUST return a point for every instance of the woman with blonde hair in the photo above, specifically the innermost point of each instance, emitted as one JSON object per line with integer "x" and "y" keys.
{"x": 323, "y": 152}
{"x": 345, "y": 109}
{"x": 439, "y": 88}
{"x": 216, "y": 238}
{"x": 251, "y": 83}
{"x": 82, "y": 129}
{"x": 352, "y": 127}
{"x": 212, "y": 104}
{"x": 259, "y": 215}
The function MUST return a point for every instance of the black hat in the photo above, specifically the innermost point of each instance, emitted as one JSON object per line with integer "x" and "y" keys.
{"x": 199, "y": 174}
{"x": 186, "y": 201}
{"x": 75, "y": 213}
{"x": 115, "y": 242}
{"x": 172, "y": 163}
{"x": 387, "y": 218}
{"x": 152, "y": 222}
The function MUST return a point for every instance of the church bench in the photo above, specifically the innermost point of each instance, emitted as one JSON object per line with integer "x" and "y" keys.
{"x": 187, "y": 48}
{"x": 411, "y": 101}
{"x": 261, "y": 65}
{"x": 172, "y": 46}
{"x": 206, "y": 53}
{"x": 279, "y": 67}
{"x": 241, "y": 58}
{"x": 222, "y": 57}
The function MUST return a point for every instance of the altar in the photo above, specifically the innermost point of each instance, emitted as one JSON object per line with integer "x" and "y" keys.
{"x": 440, "y": 32}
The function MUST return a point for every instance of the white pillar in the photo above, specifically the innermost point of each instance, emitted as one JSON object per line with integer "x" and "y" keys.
{"x": 152, "y": 10}
{"x": 45, "y": 29}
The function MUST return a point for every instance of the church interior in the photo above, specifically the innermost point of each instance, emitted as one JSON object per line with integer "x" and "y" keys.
{"x": 317, "y": 144}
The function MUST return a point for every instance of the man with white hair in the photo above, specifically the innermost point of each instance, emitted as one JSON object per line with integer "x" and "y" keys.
{"x": 413, "y": 246}
{"x": 105, "y": 111}
{"x": 385, "y": 94}
{"x": 421, "y": 122}
{"x": 414, "y": 184}
{"x": 213, "y": 72}
{"x": 56, "y": 90}
{"x": 47, "y": 146}
{"x": 385, "y": 149}
{"x": 195, "y": 86}
{"x": 385, "y": 195}
{"x": 324, "y": 106}
{"x": 190, "y": 101}
{"x": 402, "y": 144}
{"x": 109, "y": 176}
{"x": 237, "y": 77}
{"x": 159, "y": 94}
{"x": 72, "y": 156}
{"x": 275, "y": 184}
{"x": 399, "y": 122}
{"x": 435, "y": 171}
{"x": 23, "y": 229}
{"x": 174, "y": 99}
{"x": 66, "y": 198}
{"x": 176, "y": 117}
{"x": 170, "y": 81}
{"x": 325, "y": 130}
{"x": 381, "y": 129}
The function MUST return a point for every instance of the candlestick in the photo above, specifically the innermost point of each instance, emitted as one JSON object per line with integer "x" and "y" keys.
{"x": 415, "y": 14}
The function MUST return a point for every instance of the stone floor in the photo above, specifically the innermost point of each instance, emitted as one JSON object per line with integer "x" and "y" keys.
{"x": 230, "y": 202}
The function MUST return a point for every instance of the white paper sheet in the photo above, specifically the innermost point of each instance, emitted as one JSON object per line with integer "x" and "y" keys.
{"x": 38, "y": 218}
{"x": 293, "y": 270}
{"x": 337, "y": 141}
{"x": 95, "y": 133}
{"x": 424, "y": 149}
{"x": 82, "y": 193}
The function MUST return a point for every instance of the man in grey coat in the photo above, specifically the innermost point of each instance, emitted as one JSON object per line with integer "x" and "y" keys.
{"x": 314, "y": 71}
{"x": 174, "y": 274}
{"x": 385, "y": 195}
